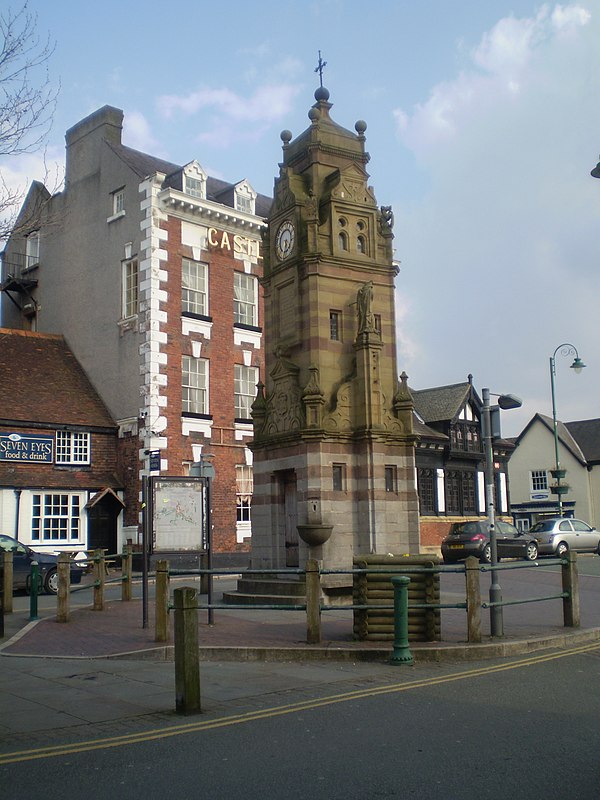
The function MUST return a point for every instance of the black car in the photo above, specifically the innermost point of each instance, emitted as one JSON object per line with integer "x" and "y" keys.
{"x": 22, "y": 558}
{"x": 473, "y": 539}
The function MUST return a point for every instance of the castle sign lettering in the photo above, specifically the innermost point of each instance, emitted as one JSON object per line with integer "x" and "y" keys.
{"x": 25, "y": 448}
{"x": 239, "y": 244}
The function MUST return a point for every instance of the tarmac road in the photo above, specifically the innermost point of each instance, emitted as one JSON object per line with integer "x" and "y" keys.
{"x": 524, "y": 728}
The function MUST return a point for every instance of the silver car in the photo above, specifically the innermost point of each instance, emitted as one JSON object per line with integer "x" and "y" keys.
{"x": 556, "y": 535}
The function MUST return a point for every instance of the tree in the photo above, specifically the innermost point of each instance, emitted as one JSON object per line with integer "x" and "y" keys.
{"x": 27, "y": 99}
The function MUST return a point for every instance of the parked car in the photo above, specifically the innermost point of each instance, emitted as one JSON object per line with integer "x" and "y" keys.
{"x": 556, "y": 535}
{"x": 473, "y": 539}
{"x": 22, "y": 558}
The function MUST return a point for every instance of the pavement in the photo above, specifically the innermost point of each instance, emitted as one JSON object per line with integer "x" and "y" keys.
{"x": 104, "y": 669}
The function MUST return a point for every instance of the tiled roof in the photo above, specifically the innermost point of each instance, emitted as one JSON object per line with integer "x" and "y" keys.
{"x": 425, "y": 432}
{"x": 441, "y": 402}
{"x": 586, "y": 433}
{"x": 42, "y": 382}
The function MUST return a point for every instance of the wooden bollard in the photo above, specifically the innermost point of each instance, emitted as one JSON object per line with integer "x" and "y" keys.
{"x": 99, "y": 576}
{"x": 8, "y": 582}
{"x": 187, "y": 662}
{"x": 161, "y": 602}
{"x": 570, "y": 585}
{"x": 473, "y": 591}
{"x": 126, "y": 569}
{"x": 313, "y": 602}
{"x": 64, "y": 587}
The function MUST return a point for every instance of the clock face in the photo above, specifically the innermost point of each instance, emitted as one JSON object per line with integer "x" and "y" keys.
{"x": 284, "y": 241}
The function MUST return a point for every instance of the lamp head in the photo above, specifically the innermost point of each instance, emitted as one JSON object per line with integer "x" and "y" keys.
{"x": 577, "y": 365}
{"x": 508, "y": 401}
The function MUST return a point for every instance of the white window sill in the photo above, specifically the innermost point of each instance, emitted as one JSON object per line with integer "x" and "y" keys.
{"x": 115, "y": 216}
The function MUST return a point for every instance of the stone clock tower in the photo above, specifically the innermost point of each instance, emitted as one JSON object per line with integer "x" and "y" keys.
{"x": 334, "y": 468}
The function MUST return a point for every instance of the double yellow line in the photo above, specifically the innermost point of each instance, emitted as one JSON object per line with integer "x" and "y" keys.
{"x": 54, "y": 751}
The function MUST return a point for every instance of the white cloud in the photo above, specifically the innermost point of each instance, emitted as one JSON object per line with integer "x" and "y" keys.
{"x": 231, "y": 117}
{"x": 266, "y": 104}
{"x": 137, "y": 133}
{"x": 500, "y": 255}
{"x": 503, "y": 65}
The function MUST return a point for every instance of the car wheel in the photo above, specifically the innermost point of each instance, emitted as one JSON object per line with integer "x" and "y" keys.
{"x": 486, "y": 554}
{"x": 562, "y": 548}
{"x": 531, "y": 553}
{"x": 51, "y": 582}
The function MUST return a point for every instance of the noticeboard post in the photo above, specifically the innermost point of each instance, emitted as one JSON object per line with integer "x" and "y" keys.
{"x": 179, "y": 514}
{"x": 176, "y": 519}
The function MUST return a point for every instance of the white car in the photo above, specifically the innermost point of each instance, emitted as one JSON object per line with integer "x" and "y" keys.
{"x": 556, "y": 535}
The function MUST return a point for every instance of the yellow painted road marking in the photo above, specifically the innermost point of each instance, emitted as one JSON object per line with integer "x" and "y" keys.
{"x": 53, "y": 751}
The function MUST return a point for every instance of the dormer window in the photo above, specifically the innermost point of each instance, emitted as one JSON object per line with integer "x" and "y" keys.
{"x": 194, "y": 180}
{"x": 193, "y": 187}
{"x": 245, "y": 197}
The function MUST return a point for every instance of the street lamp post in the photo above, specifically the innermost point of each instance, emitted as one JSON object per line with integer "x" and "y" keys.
{"x": 505, "y": 401}
{"x": 558, "y": 474}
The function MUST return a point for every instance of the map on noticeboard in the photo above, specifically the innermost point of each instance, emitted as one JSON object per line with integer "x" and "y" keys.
{"x": 178, "y": 515}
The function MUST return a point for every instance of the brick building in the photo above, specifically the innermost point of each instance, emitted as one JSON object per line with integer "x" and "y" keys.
{"x": 151, "y": 272}
{"x": 59, "y": 482}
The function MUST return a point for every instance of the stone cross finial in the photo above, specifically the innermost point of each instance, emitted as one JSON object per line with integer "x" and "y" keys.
{"x": 320, "y": 67}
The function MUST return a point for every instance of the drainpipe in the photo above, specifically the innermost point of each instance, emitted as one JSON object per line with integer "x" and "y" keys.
{"x": 17, "y": 511}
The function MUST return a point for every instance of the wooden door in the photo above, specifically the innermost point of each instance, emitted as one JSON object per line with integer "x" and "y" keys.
{"x": 102, "y": 527}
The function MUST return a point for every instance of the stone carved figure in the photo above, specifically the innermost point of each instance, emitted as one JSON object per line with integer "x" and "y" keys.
{"x": 387, "y": 218}
{"x": 364, "y": 306}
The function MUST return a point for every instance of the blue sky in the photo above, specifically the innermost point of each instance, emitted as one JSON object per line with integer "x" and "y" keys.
{"x": 483, "y": 124}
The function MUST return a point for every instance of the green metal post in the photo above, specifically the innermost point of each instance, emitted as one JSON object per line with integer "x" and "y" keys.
{"x": 34, "y": 586}
{"x": 555, "y": 431}
{"x": 401, "y": 653}
{"x": 8, "y": 581}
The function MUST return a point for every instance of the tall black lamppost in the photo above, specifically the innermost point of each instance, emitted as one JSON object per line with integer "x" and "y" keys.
{"x": 505, "y": 401}
{"x": 558, "y": 474}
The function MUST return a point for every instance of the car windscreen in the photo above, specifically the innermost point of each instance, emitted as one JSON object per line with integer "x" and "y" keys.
{"x": 462, "y": 528}
{"x": 540, "y": 527}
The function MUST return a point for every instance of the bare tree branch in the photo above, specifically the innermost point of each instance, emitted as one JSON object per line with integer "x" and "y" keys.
{"x": 27, "y": 99}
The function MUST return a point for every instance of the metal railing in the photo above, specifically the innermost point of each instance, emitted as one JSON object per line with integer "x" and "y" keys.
{"x": 472, "y": 603}
{"x": 311, "y": 603}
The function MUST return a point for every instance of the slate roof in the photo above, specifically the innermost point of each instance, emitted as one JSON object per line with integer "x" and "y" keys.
{"x": 586, "y": 433}
{"x": 42, "y": 382}
{"x": 143, "y": 165}
{"x": 425, "y": 432}
{"x": 442, "y": 402}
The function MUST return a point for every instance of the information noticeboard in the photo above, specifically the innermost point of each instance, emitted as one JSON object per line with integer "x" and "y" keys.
{"x": 178, "y": 514}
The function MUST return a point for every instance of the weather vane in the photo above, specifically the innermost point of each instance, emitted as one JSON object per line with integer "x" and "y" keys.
{"x": 320, "y": 67}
